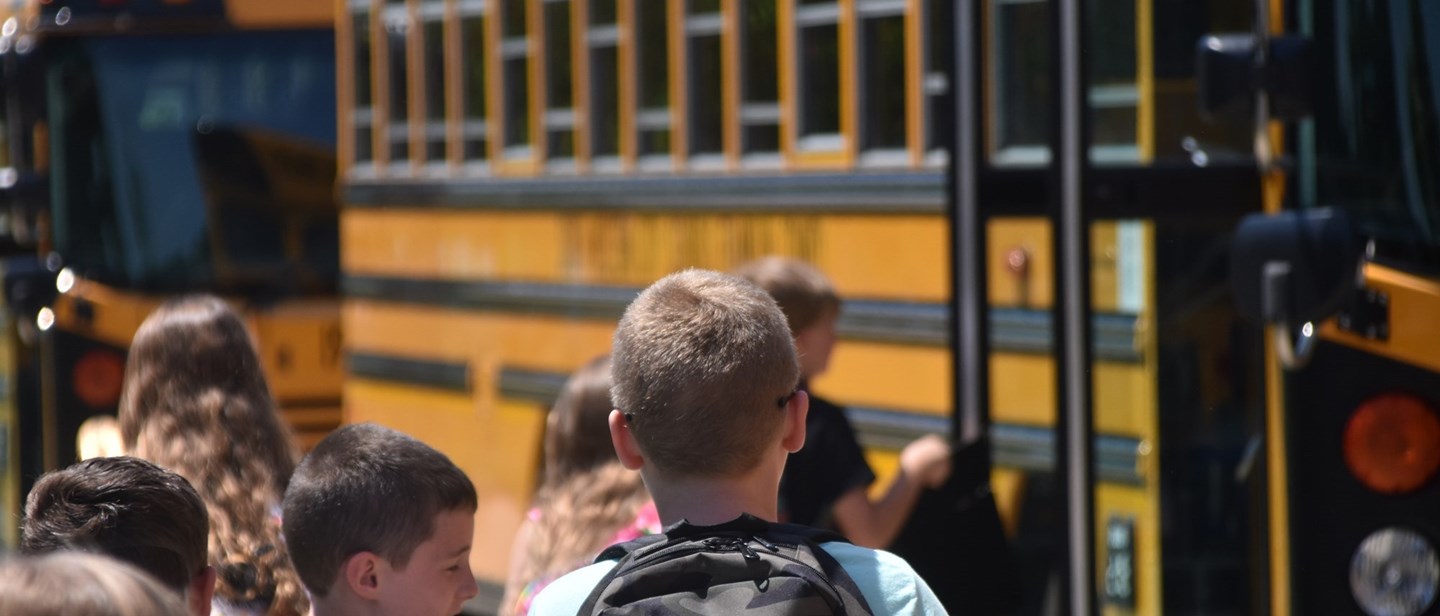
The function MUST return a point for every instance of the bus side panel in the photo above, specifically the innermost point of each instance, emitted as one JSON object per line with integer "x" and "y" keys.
{"x": 1332, "y": 511}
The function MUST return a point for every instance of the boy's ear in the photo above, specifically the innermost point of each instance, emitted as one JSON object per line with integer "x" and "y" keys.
{"x": 201, "y": 591}
{"x": 795, "y": 412}
{"x": 361, "y": 574}
{"x": 625, "y": 446}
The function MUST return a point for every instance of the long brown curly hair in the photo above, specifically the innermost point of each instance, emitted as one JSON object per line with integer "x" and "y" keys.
{"x": 195, "y": 401}
{"x": 587, "y": 495}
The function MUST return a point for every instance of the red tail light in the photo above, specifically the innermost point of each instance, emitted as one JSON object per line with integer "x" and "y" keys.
{"x": 97, "y": 378}
{"x": 1392, "y": 443}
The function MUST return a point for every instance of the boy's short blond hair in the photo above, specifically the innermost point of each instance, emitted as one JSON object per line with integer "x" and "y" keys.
{"x": 804, "y": 294}
{"x": 703, "y": 366}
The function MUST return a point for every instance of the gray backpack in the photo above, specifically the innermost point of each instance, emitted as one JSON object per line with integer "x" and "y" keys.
{"x": 745, "y": 566}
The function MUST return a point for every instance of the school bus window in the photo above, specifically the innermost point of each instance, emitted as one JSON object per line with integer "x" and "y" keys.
{"x": 703, "y": 25}
{"x": 602, "y": 12}
{"x": 515, "y": 77}
{"x": 559, "y": 91}
{"x": 1019, "y": 64}
{"x": 759, "y": 81}
{"x": 363, "y": 113}
{"x": 397, "y": 30}
{"x": 652, "y": 119}
{"x": 1114, "y": 94}
{"x": 603, "y": 37}
{"x": 818, "y": 94}
{"x": 882, "y": 65}
{"x": 474, "y": 128}
{"x": 939, "y": 73}
{"x": 432, "y": 15}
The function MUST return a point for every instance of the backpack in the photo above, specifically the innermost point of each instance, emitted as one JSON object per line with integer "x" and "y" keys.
{"x": 746, "y": 565}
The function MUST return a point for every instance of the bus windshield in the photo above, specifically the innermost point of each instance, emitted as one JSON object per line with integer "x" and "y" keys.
{"x": 1375, "y": 146}
{"x": 136, "y": 198}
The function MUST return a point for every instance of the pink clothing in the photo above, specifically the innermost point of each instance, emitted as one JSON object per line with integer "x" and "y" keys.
{"x": 646, "y": 522}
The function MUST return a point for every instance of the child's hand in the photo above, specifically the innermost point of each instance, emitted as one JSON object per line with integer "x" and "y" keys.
{"x": 927, "y": 460}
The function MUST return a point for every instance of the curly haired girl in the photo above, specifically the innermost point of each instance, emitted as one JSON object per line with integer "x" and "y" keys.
{"x": 195, "y": 401}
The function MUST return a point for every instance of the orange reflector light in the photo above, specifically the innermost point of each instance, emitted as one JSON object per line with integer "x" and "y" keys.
{"x": 97, "y": 378}
{"x": 1392, "y": 443}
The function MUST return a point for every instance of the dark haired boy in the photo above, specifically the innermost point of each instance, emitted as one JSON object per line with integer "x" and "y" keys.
{"x": 379, "y": 523}
{"x": 705, "y": 377}
{"x": 131, "y": 510}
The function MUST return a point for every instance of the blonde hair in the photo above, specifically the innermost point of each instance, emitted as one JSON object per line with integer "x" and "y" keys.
{"x": 803, "y": 293}
{"x": 703, "y": 365}
{"x": 578, "y": 517}
{"x": 577, "y": 430}
{"x": 587, "y": 495}
{"x": 80, "y": 584}
{"x": 195, "y": 401}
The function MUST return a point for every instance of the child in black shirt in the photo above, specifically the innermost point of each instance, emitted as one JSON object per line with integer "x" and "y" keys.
{"x": 827, "y": 482}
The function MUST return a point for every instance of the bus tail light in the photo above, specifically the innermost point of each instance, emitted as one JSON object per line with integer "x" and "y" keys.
{"x": 97, "y": 378}
{"x": 1392, "y": 443}
{"x": 1394, "y": 572}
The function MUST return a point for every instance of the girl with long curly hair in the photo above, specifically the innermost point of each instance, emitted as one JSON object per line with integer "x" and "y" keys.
{"x": 195, "y": 401}
{"x": 587, "y": 501}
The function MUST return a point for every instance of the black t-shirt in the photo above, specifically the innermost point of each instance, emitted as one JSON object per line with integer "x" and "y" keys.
{"x": 830, "y": 464}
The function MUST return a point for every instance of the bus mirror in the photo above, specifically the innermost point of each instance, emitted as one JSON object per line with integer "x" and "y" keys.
{"x": 1224, "y": 66}
{"x": 1230, "y": 72}
{"x": 1294, "y": 267}
{"x": 1291, "y": 270}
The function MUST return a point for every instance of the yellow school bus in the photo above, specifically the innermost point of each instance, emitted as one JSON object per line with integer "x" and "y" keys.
{"x": 154, "y": 148}
{"x": 1022, "y": 202}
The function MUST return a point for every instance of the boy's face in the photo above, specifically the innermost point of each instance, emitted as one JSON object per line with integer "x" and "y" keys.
{"x": 815, "y": 343}
{"x": 437, "y": 579}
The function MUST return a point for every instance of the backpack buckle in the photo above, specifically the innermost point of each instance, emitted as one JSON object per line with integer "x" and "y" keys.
{"x": 737, "y": 544}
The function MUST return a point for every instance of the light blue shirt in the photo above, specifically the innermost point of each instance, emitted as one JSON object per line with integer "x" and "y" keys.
{"x": 888, "y": 583}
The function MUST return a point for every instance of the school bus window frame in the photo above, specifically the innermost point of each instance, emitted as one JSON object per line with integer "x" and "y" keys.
{"x": 828, "y": 151}
{"x": 426, "y": 130}
{"x": 693, "y": 27}
{"x": 464, "y": 127}
{"x": 506, "y": 159}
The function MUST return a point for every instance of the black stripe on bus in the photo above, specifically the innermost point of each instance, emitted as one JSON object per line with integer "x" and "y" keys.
{"x": 1027, "y": 448}
{"x": 434, "y": 374}
{"x": 1011, "y": 329}
{"x": 854, "y": 193}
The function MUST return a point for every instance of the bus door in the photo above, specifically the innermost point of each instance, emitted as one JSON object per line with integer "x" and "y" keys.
{"x": 1097, "y": 343}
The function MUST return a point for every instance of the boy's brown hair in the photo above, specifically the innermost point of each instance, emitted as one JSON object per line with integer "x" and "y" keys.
{"x": 804, "y": 294}
{"x": 703, "y": 367}
{"x": 367, "y": 488}
{"x": 122, "y": 507}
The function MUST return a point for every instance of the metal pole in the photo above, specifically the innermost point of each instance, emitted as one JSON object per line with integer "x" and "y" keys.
{"x": 1073, "y": 311}
{"x": 967, "y": 238}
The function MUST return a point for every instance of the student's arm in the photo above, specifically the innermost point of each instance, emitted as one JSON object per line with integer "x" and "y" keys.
{"x": 923, "y": 463}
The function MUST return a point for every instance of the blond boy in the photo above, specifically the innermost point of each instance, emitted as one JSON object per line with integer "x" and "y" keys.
{"x": 708, "y": 411}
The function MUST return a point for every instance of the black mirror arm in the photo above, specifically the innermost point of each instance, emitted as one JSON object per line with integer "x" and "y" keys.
{"x": 1275, "y": 304}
